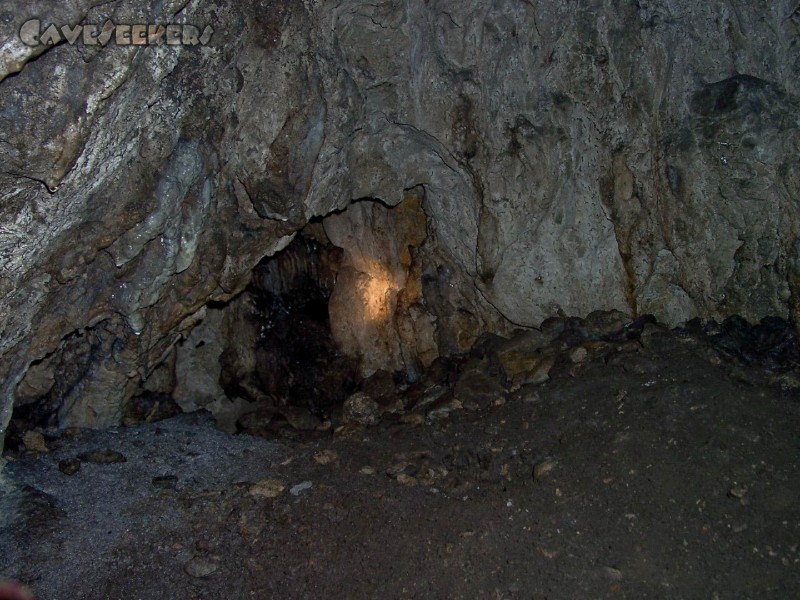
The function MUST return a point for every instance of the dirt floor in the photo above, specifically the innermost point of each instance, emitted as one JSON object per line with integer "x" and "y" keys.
{"x": 653, "y": 464}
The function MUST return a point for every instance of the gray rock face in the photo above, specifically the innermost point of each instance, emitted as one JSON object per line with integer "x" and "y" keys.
{"x": 642, "y": 157}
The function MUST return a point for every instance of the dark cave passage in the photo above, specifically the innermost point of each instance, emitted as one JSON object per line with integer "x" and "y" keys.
{"x": 293, "y": 359}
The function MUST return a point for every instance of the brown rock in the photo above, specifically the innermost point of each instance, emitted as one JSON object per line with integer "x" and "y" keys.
{"x": 527, "y": 368}
{"x": 404, "y": 479}
{"x": 601, "y": 323}
{"x": 544, "y": 468}
{"x": 326, "y": 457}
{"x": 362, "y": 409}
{"x": 34, "y": 442}
{"x": 69, "y": 466}
{"x": 267, "y": 488}
{"x": 102, "y": 457}
{"x": 475, "y": 387}
{"x": 442, "y": 410}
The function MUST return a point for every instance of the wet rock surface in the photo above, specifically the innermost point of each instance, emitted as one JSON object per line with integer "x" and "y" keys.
{"x": 608, "y": 479}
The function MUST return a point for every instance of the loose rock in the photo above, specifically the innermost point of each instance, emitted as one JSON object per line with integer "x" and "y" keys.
{"x": 602, "y": 323}
{"x": 361, "y": 408}
{"x": 69, "y": 466}
{"x": 200, "y": 567}
{"x": 475, "y": 387}
{"x": 527, "y": 342}
{"x": 34, "y": 442}
{"x": 300, "y": 488}
{"x": 544, "y": 468}
{"x": 578, "y": 355}
{"x": 524, "y": 368}
{"x": 300, "y": 418}
{"x": 397, "y": 469}
{"x": 267, "y": 488}
{"x": 102, "y": 457}
{"x": 325, "y": 457}
{"x": 443, "y": 410}
{"x": 738, "y": 492}
{"x": 429, "y": 396}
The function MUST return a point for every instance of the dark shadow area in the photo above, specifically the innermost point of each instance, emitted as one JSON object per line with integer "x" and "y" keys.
{"x": 295, "y": 361}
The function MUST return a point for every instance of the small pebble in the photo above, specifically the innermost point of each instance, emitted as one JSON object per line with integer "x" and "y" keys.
{"x": 398, "y": 468}
{"x": 300, "y": 488}
{"x": 543, "y": 468}
{"x": 738, "y": 492}
{"x": 406, "y": 479}
{"x": 353, "y": 431}
{"x": 325, "y": 457}
{"x": 612, "y": 573}
{"x": 200, "y": 567}
{"x": 267, "y": 488}
{"x": 69, "y": 466}
{"x": 578, "y": 355}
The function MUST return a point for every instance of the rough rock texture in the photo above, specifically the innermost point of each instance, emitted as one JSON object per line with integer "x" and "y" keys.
{"x": 638, "y": 156}
{"x": 197, "y": 366}
{"x": 361, "y": 408}
{"x": 377, "y": 309}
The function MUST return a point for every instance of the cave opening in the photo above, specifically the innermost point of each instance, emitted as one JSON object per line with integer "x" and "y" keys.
{"x": 279, "y": 355}
{"x": 339, "y": 310}
{"x": 297, "y": 361}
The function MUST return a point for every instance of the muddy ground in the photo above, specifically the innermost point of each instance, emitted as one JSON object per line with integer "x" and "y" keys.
{"x": 657, "y": 468}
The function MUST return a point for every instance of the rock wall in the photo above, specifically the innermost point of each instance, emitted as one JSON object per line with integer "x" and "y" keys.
{"x": 602, "y": 154}
{"x": 377, "y": 309}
